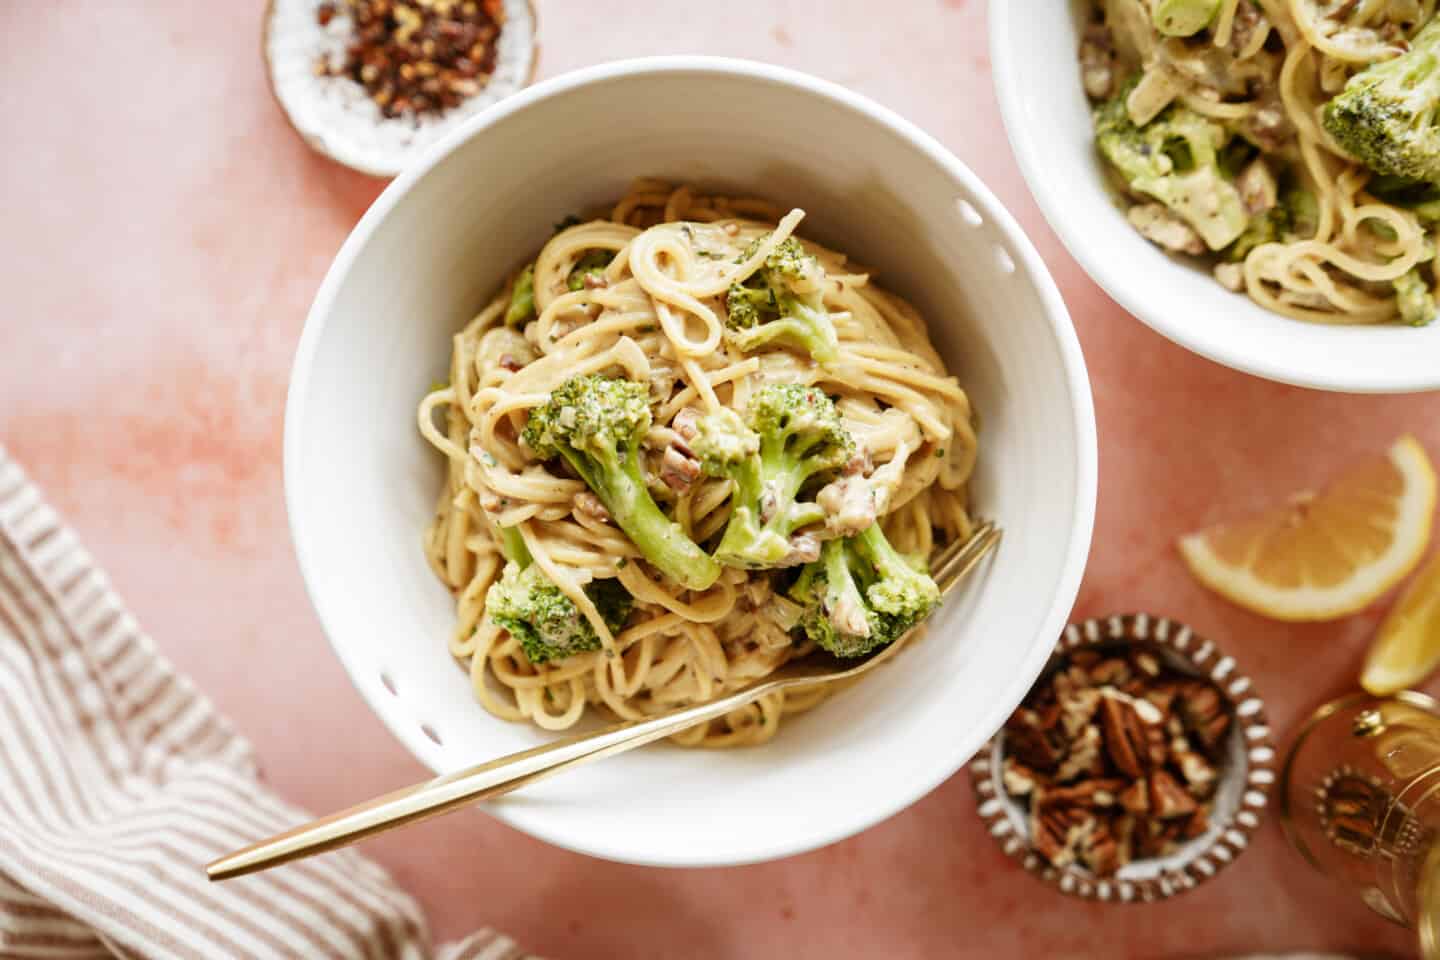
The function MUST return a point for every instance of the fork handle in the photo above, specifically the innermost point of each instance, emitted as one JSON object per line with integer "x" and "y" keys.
{"x": 464, "y": 787}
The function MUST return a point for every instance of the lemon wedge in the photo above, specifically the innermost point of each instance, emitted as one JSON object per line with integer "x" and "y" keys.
{"x": 1407, "y": 648}
{"x": 1328, "y": 554}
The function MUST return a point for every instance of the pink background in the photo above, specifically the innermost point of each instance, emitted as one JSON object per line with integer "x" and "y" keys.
{"x": 161, "y": 234}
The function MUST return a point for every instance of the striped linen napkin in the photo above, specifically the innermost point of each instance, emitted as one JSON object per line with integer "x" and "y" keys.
{"x": 118, "y": 782}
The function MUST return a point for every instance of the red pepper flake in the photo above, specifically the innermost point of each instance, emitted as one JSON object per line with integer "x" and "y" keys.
{"x": 419, "y": 57}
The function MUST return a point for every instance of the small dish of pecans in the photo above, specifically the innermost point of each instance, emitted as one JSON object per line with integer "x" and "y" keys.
{"x": 1137, "y": 766}
{"x": 371, "y": 83}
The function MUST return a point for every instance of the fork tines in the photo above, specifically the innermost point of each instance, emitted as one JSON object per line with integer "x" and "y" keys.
{"x": 956, "y": 559}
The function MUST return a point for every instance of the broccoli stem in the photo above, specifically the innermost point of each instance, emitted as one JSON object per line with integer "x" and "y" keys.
{"x": 844, "y": 603}
{"x": 888, "y": 563}
{"x": 522, "y": 298}
{"x": 776, "y": 478}
{"x": 512, "y": 544}
{"x": 1184, "y": 18}
{"x": 618, "y": 479}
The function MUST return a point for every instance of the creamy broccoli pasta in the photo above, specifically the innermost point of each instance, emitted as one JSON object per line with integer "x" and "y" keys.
{"x": 686, "y": 446}
{"x": 1290, "y": 144}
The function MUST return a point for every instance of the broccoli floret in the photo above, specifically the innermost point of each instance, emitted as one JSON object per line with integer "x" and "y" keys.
{"x": 596, "y": 423}
{"x": 1268, "y": 227}
{"x": 1414, "y": 299}
{"x": 862, "y": 594}
{"x": 1420, "y": 198}
{"x": 522, "y": 298}
{"x": 782, "y": 303}
{"x": 1385, "y": 116}
{"x": 1184, "y": 18}
{"x": 593, "y": 262}
{"x": 791, "y": 433}
{"x": 1302, "y": 210}
{"x": 1174, "y": 158}
{"x": 546, "y": 622}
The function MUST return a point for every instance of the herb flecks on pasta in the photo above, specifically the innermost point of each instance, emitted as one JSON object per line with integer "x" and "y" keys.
{"x": 686, "y": 446}
{"x": 1291, "y": 144}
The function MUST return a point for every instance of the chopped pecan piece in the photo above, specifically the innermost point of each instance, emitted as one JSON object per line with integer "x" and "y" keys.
{"x": 859, "y": 464}
{"x": 677, "y": 470}
{"x": 1136, "y": 797}
{"x": 1059, "y": 832}
{"x": 1112, "y": 672}
{"x": 1123, "y": 830}
{"x": 1257, "y": 187}
{"x": 1156, "y": 748}
{"x": 1157, "y": 224}
{"x": 1195, "y": 824}
{"x": 1150, "y": 839}
{"x": 1069, "y": 680}
{"x": 1032, "y": 743}
{"x": 1203, "y": 712}
{"x": 1161, "y": 698}
{"x": 1077, "y": 709}
{"x": 1124, "y": 737}
{"x": 1168, "y": 799}
{"x": 685, "y": 423}
{"x": 1102, "y": 853}
{"x": 590, "y": 505}
{"x": 1089, "y": 793}
{"x": 1199, "y": 775}
{"x": 1097, "y": 61}
{"x": 1146, "y": 663}
{"x": 1020, "y": 780}
{"x": 1086, "y": 758}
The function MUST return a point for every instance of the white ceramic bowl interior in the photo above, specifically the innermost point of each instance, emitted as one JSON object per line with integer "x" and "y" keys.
{"x": 1033, "y": 45}
{"x": 361, "y": 484}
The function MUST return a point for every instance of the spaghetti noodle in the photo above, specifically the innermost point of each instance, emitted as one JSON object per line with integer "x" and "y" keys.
{"x": 1264, "y": 70}
{"x": 655, "y": 314}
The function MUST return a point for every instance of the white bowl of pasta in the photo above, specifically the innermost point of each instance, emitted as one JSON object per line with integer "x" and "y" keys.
{"x": 1334, "y": 287}
{"x": 589, "y": 404}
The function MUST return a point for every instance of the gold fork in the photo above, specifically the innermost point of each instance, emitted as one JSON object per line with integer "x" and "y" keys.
{"x": 464, "y": 787}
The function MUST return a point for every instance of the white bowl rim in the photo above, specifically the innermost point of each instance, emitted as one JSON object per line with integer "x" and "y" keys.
{"x": 1107, "y": 270}
{"x": 948, "y": 756}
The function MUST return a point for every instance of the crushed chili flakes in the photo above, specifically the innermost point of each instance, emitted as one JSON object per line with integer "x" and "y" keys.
{"x": 417, "y": 57}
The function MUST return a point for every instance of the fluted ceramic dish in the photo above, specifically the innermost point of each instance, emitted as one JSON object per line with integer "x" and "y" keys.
{"x": 1241, "y": 796}
{"x": 361, "y": 483}
{"x": 336, "y": 117}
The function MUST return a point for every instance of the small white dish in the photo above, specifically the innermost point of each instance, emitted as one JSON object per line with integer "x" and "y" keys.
{"x": 1033, "y": 46}
{"x": 361, "y": 484}
{"x": 337, "y": 118}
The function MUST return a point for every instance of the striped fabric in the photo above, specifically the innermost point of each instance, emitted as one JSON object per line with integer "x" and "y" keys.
{"x": 118, "y": 782}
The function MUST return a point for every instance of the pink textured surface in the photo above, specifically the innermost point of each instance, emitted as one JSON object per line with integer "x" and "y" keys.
{"x": 162, "y": 234}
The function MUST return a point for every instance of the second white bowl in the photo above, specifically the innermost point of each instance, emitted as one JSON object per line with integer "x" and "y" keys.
{"x": 1033, "y": 46}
